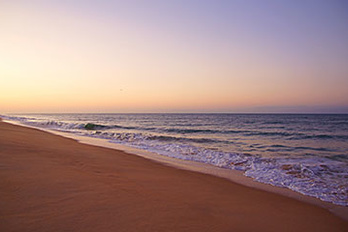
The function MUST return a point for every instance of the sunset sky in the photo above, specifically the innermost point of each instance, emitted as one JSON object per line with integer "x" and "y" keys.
{"x": 174, "y": 56}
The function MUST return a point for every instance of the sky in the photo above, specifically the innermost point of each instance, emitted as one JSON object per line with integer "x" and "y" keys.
{"x": 174, "y": 56}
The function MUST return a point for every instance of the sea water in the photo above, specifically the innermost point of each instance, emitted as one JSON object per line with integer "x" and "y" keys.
{"x": 305, "y": 153}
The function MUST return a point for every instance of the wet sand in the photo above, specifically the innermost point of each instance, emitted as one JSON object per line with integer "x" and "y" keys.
{"x": 52, "y": 183}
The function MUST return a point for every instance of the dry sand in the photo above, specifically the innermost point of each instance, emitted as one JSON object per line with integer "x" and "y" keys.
{"x": 52, "y": 183}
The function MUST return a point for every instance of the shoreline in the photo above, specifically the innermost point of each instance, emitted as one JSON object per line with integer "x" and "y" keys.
{"x": 254, "y": 201}
{"x": 231, "y": 175}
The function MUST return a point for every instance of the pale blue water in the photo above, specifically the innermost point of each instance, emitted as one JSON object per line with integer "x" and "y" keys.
{"x": 305, "y": 153}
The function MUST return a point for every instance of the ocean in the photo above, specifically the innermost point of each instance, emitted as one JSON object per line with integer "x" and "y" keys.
{"x": 307, "y": 153}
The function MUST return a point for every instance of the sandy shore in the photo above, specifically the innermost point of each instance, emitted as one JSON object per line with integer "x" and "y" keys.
{"x": 52, "y": 183}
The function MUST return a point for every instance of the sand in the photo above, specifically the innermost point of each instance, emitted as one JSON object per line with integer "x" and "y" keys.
{"x": 52, "y": 183}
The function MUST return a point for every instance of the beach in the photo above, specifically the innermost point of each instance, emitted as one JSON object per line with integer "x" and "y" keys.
{"x": 52, "y": 183}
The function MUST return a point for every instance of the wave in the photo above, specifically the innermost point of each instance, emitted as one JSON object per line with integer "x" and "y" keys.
{"x": 93, "y": 126}
{"x": 319, "y": 137}
{"x": 131, "y": 137}
{"x": 266, "y": 133}
{"x": 188, "y": 131}
{"x": 313, "y": 148}
{"x": 173, "y": 138}
{"x": 274, "y": 122}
